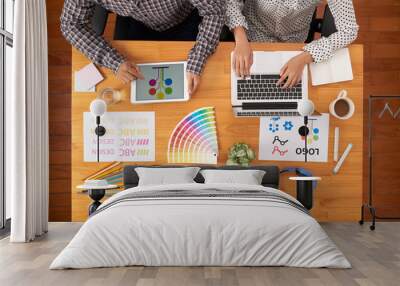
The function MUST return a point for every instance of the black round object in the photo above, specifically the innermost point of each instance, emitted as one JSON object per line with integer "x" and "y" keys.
{"x": 100, "y": 130}
{"x": 96, "y": 194}
{"x": 361, "y": 222}
{"x": 93, "y": 207}
{"x": 305, "y": 193}
{"x": 303, "y": 131}
{"x": 372, "y": 227}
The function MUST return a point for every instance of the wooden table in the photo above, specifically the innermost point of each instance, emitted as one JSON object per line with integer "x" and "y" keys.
{"x": 339, "y": 197}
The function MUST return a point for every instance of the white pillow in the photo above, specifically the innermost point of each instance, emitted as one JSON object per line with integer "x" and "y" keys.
{"x": 248, "y": 177}
{"x": 166, "y": 176}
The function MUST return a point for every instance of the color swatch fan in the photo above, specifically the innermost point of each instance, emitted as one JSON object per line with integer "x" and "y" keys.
{"x": 194, "y": 139}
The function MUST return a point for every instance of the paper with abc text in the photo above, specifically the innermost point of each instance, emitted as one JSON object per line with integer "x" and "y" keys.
{"x": 129, "y": 137}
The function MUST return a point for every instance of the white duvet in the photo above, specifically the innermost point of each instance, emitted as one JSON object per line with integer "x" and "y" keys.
{"x": 200, "y": 231}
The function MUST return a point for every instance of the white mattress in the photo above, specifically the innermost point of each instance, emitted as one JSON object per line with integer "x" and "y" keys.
{"x": 200, "y": 231}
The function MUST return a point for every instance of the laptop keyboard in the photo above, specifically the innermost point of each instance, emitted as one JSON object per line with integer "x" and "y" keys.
{"x": 263, "y": 87}
{"x": 265, "y": 113}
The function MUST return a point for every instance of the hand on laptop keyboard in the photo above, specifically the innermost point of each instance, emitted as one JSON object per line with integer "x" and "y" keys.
{"x": 261, "y": 87}
{"x": 292, "y": 71}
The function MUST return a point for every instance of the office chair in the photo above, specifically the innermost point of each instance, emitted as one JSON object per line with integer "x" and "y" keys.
{"x": 325, "y": 26}
{"x": 100, "y": 17}
{"x": 99, "y": 20}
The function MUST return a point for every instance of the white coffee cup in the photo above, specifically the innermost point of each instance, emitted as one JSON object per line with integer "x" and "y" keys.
{"x": 333, "y": 108}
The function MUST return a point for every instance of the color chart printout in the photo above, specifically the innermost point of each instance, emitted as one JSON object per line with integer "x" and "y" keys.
{"x": 129, "y": 137}
{"x": 281, "y": 138}
{"x": 194, "y": 139}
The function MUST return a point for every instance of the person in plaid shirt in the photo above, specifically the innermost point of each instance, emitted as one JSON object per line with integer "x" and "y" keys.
{"x": 161, "y": 17}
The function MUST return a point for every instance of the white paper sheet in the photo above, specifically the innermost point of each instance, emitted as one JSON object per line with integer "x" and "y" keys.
{"x": 87, "y": 78}
{"x": 280, "y": 139}
{"x": 336, "y": 69}
{"x": 130, "y": 137}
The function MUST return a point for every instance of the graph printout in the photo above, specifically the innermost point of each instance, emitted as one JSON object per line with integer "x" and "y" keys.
{"x": 281, "y": 139}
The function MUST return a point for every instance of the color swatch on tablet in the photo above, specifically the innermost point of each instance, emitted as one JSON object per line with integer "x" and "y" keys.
{"x": 194, "y": 139}
{"x": 163, "y": 82}
{"x": 160, "y": 85}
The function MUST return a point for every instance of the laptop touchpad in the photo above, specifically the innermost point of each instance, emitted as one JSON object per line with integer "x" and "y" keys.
{"x": 270, "y": 62}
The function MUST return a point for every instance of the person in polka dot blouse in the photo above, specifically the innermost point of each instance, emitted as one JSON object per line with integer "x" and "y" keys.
{"x": 287, "y": 21}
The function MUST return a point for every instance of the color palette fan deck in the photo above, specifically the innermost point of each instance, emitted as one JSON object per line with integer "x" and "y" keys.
{"x": 194, "y": 139}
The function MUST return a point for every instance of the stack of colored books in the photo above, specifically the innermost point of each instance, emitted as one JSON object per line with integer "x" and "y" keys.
{"x": 113, "y": 173}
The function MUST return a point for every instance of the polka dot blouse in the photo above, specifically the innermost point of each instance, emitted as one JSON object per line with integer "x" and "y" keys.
{"x": 289, "y": 21}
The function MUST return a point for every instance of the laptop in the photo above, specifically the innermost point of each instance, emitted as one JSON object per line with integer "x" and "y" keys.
{"x": 258, "y": 95}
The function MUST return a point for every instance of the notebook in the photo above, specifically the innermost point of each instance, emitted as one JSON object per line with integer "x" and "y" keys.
{"x": 87, "y": 78}
{"x": 336, "y": 69}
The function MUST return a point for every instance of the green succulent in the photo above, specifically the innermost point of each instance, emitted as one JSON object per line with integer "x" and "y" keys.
{"x": 240, "y": 154}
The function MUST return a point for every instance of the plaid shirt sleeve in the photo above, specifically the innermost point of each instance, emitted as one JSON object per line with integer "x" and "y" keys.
{"x": 76, "y": 28}
{"x": 213, "y": 13}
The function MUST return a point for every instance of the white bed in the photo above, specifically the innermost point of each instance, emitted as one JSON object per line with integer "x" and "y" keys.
{"x": 185, "y": 230}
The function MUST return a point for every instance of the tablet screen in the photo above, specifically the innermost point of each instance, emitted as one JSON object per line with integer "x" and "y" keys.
{"x": 163, "y": 81}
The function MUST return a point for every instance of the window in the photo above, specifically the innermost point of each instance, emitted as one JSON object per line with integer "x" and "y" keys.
{"x": 9, "y": 15}
{"x": 6, "y": 65}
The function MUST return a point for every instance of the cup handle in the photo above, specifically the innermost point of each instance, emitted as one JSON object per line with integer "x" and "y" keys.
{"x": 342, "y": 93}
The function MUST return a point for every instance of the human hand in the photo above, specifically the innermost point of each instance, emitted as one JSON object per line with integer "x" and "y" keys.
{"x": 193, "y": 82}
{"x": 292, "y": 71}
{"x": 242, "y": 54}
{"x": 242, "y": 59}
{"x": 129, "y": 71}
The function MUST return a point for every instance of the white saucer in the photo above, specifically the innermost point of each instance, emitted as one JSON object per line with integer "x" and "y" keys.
{"x": 91, "y": 187}
{"x": 305, "y": 178}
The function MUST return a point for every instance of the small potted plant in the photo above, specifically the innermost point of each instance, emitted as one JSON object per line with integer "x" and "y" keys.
{"x": 240, "y": 154}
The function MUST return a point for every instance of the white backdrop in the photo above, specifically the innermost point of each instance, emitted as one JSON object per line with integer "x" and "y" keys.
{"x": 27, "y": 123}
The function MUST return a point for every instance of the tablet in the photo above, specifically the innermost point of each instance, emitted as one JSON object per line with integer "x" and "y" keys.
{"x": 163, "y": 82}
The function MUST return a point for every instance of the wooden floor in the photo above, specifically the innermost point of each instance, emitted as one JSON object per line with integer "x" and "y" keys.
{"x": 375, "y": 257}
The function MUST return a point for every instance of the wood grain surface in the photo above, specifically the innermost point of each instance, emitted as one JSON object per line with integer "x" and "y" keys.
{"x": 59, "y": 116}
{"x": 374, "y": 257}
{"x": 338, "y": 197}
{"x": 385, "y": 142}
{"x": 379, "y": 33}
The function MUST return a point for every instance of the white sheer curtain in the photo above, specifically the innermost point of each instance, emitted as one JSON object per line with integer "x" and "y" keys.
{"x": 27, "y": 124}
